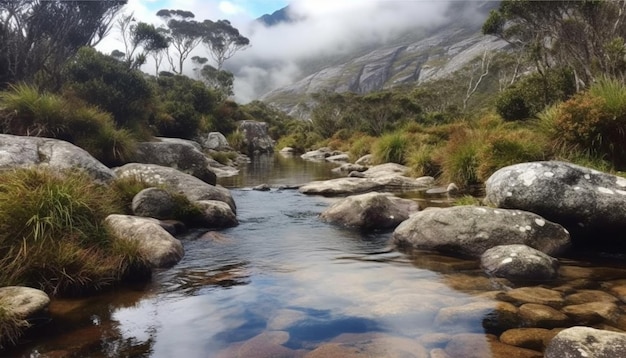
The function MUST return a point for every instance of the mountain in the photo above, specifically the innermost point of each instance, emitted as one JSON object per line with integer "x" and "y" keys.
{"x": 411, "y": 58}
{"x": 277, "y": 17}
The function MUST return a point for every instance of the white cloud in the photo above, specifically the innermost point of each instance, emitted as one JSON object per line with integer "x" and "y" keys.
{"x": 229, "y": 8}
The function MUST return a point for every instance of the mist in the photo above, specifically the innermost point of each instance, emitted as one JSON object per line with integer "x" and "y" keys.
{"x": 324, "y": 30}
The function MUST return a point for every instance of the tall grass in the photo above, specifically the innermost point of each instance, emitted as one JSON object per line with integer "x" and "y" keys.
{"x": 51, "y": 233}
{"x": 391, "y": 148}
{"x": 27, "y": 112}
{"x": 11, "y": 327}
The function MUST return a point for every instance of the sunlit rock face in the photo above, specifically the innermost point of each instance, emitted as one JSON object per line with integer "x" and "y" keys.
{"x": 472, "y": 230}
{"x": 583, "y": 200}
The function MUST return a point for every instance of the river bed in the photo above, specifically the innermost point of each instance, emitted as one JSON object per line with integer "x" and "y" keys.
{"x": 285, "y": 284}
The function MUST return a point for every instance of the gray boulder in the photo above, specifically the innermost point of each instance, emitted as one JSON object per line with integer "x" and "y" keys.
{"x": 26, "y": 152}
{"x": 154, "y": 203}
{"x": 180, "y": 154}
{"x": 519, "y": 262}
{"x": 338, "y": 158}
{"x": 585, "y": 342}
{"x": 386, "y": 169}
{"x": 348, "y": 168}
{"x": 583, "y": 200}
{"x": 216, "y": 214}
{"x": 256, "y": 137}
{"x": 356, "y": 185}
{"x": 193, "y": 188}
{"x": 215, "y": 141}
{"x": 320, "y": 154}
{"x": 370, "y": 211}
{"x": 157, "y": 245}
{"x": 23, "y": 302}
{"x": 472, "y": 230}
{"x": 365, "y": 160}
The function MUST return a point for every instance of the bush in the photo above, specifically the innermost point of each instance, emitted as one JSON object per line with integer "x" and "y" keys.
{"x": 25, "y": 111}
{"x": 592, "y": 122}
{"x": 391, "y": 148}
{"x": 54, "y": 239}
{"x": 460, "y": 159}
{"x": 361, "y": 146}
{"x": 422, "y": 162}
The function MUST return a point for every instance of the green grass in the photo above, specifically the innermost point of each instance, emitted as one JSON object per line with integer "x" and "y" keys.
{"x": 11, "y": 327}
{"x": 391, "y": 148}
{"x": 51, "y": 233}
{"x": 223, "y": 157}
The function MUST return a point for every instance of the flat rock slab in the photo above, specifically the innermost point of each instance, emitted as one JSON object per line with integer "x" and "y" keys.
{"x": 583, "y": 200}
{"x": 353, "y": 186}
{"x": 472, "y": 230}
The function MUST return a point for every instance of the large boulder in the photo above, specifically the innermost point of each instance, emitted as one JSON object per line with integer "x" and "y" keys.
{"x": 370, "y": 211}
{"x": 23, "y": 302}
{"x": 193, "y": 188}
{"x": 157, "y": 245}
{"x": 256, "y": 137}
{"x": 519, "y": 262}
{"x": 216, "y": 214}
{"x": 180, "y": 154}
{"x": 583, "y": 200}
{"x": 472, "y": 230}
{"x": 154, "y": 203}
{"x": 25, "y": 152}
{"x": 215, "y": 141}
{"x": 585, "y": 342}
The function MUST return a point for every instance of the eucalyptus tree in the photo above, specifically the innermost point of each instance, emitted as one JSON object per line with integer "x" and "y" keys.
{"x": 140, "y": 39}
{"x": 220, "y": 80}
{"x": 184, "y": 35}
{"x": 223, "y": 41}
{"x": 37, "y": 37}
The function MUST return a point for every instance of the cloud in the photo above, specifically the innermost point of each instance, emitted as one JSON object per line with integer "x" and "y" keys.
{"x": 326, "y": 29}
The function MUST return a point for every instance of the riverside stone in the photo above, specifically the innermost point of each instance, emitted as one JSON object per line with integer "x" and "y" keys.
{"x": 157, "y": 245}
{"x": 493, "y": 315}
{"x": 472, "y": 230}
{"x": 581, "y": 199}
{"x": 470, "y": 345}
{"x": 154, "y": 203}
{"x": 216, "y": 214}
{"x": 588, "y": 296}
{"x": 370, "y": 211}
{"x": 180, "y": 154}
{"x": 176, "y": 181}
{"x": 26, "y": 152}
{"x": 585, "y": 342}
{"x": 539, "y": 295}
{"x": 23, "y": 302}
{"x": 519, "y": 262}
{"x": 593, "y": 312}
{"x": 256, "y": 138}
{"x": 531, "y": 338}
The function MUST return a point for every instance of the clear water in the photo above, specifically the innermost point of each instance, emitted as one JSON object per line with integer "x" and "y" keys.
{"x": 281, "y": 284}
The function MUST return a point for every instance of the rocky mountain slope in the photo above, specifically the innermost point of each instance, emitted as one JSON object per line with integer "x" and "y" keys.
{"x": 413, "y": 59}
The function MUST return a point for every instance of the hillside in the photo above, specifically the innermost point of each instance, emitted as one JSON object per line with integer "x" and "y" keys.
{"x": 411, "y": 58}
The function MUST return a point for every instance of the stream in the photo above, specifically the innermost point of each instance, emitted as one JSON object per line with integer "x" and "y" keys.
{"x": 280, "y": 284}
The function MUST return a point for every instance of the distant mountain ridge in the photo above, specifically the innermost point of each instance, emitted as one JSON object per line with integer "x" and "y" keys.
{"x": 277, "y": 17}
{"x": 413, "y": 58}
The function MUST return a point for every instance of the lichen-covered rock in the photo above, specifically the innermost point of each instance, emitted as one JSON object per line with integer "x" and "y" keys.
{"x": 585, "y": 342}
{"x": 370, "y": 211}
{"x": 25, "y": 152}
{"x": 256, "y": 137}
{"x": 472, "y": 230}
{"x": 154, "y": 203}
{"x": 319, "y": 154}
{"x": 180, "y": 154}
{"x": 583, "y": 200}
{"x": 157, "y": 245}
{"x": 215, "y": 141}
{"x": 176, "y": 181}
{"x": 216, "y": 214}
{"x": 519, "y": 262}
{"x": 23, "y": 302}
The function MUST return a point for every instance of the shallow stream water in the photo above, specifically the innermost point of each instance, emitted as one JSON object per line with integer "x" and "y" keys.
{"x": 282, "y": 284}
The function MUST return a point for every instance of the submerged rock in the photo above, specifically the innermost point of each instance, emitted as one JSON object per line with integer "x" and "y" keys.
{"x": 519, "y": 262}
{"x": 468, "y": 345}
{"x": 585, "y": 342}
{"x": 472, "y": 230}
{"x": 583, "y": 200}
{"x": 157, "y": 245}
{"x": 370, "y": 211}
{"x": 26, "y": 152}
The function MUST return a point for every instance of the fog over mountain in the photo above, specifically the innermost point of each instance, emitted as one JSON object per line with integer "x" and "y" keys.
{"x": 323, "y": 32}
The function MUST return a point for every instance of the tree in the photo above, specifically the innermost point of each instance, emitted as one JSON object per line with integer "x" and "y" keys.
{"x": 37, "y": 37}
{"x": 584, "y": 36}
{"x": 139, "y": 36}
{"x": 184, "y": 34}
{"x": 223, "y": 41}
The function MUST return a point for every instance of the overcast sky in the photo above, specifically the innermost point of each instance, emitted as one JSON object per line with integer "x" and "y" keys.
{"x": 329, "y": 27}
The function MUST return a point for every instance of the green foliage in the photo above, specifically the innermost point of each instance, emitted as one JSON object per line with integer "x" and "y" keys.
{"x": 223, "y": 157}
{"x": 54, "y": 239}
{"x": 467, "y": 200}
{"x": 361, "y": 146}
{"x": 391, "y": 148}
{"x": 107, "y": 83}
{"x": 25, "y": 111}
{"x": 125, "y": 190}
{"x": 423, "y": 163}
{"x": 592, "y": 122}
{"x": 533, "y": 93}
{"x": 237, "y": 140}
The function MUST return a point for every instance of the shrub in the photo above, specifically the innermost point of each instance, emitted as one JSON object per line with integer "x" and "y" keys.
{"x": 422, "y": 162}
{"x": 25, "y": 111}
{"x": 223, "y": 157}
{"x": 391, "y": 148}
{"x": 361, "y": 146}
{"x": 460, "y": 159}
{"x": 54, "y": 239}
{"x": 237, "y": 140}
